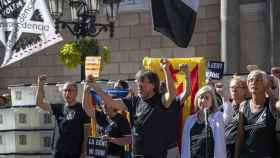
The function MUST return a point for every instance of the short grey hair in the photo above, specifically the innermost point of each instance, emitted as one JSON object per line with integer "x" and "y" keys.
{"x": 258, "y": 72}
{"x": 71, "y": 83}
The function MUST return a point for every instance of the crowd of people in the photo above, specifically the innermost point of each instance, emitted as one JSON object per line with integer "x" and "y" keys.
{"x": 235, "y": 123}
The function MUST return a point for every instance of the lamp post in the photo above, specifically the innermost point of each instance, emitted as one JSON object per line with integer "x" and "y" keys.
{"x": 83, "y": 17}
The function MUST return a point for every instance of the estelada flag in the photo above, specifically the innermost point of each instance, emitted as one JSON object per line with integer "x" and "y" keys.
{"x": 197, "y": 71}
{"x": 175, "y": 19}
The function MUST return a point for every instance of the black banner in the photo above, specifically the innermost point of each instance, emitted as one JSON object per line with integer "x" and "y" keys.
{"x": 215, "y": 70}
{"x": 97, "y": 147}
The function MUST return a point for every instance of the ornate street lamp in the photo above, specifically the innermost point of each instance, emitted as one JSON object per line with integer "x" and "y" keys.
{"x": 83, "y": 14}
{"x": 83, "y": 18}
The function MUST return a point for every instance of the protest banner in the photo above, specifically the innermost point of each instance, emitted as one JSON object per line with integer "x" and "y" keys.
{"x": 215, "y": 70}
{"x": 26, "y": 27}
{"x": 97, "y": 147}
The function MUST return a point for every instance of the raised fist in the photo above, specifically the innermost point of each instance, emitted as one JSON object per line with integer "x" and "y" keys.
{"x": 90, "y": 78}
{"x": 184, "y": 68}
{"x": 275, "y": 71}
{"x": 41, "y": 79}
{"x": 164, "y": 63}
{"x": 252, "y": 67}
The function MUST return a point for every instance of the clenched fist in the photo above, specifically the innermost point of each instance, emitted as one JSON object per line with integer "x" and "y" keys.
{"x": 41, "y": 79}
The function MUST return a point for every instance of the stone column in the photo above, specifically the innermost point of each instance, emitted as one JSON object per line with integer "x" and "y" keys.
{"x": 274, "y": 18}
{"x": 230, "y": 35}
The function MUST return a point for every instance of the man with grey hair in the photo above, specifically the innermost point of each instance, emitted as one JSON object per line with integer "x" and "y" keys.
{"x": 256, "y": 135}
{"x": 70, "y": 118}
{"x": 147, "y": 111}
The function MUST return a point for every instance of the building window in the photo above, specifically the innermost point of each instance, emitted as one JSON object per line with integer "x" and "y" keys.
{"x": 131, "y": 2}
{"x": 47, "y": 119}
{"x": 1, "y": 140}
{"x": 1, "y": 119}
{"x": 18, "y": 95}
{"x": 22, "y": 118}
{"x": 22, "y": 140}
{"x": 133, "y": 5}
{"x": 47, "y": 142}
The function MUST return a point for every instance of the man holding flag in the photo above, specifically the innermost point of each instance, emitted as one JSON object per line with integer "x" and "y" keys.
{"x": 147, "y": 110}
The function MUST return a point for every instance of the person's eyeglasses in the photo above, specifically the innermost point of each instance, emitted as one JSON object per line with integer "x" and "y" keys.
{"x": 235, "y": 87}
{"x": 204, "y": 97}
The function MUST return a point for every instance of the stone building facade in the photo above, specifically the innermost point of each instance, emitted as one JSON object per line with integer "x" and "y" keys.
{"x": 134, "y": 38}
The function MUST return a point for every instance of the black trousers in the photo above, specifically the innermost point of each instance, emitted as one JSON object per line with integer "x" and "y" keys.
{"x": 65, "y": 155}
{"x": 230, "y": 150}
{"x": 149, "y": 156}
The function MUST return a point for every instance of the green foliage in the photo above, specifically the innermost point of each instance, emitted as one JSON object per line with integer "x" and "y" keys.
{"x": 72, "y": 54}
{"x": 89, "y": 46}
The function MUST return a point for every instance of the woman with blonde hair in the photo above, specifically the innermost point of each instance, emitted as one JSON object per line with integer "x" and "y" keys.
{"x": 203, "y": 135}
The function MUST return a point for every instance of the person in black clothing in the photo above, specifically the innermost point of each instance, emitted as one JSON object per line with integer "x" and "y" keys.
{"x": 114, "y": 126}
{"x": 147, "y": 111}
{"x": 275, "y": 71}
{"x": 173, "y": 113}
{"x": 117, "y": 130}
{"x": 70, "y": 118}
{"x": 256, "y": 135}
{"x": 121, "y": 84}
{"x": 237, "y": 88}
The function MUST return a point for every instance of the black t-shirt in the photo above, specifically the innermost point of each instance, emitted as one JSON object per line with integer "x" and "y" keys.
{"x": 117, "y": 127}
{"x": 260, "y": 135}
{"x": 231, "y": 127}
{"x": 219, "y": 99}
{"x": 198, "y": 141}
{"x": 172, "y": 122}
{"x": 70, "y": 120}
{"x": 148, "y": 125}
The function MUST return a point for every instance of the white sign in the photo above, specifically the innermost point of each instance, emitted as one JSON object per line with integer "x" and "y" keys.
{"x": 26, "y": 27}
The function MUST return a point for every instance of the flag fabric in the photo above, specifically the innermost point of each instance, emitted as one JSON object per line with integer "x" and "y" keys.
{"x": 175, "y": 19}
{"x": 95, "y": 101}
{"x": 26, "y": 27}
{"x": 197, "y": 71}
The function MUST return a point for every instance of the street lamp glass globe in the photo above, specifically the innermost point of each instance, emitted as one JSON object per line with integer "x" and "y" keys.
{"x": 56, "y": 8}
{"x": 112, "y": 9}
{"x": 93, "y": 6}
